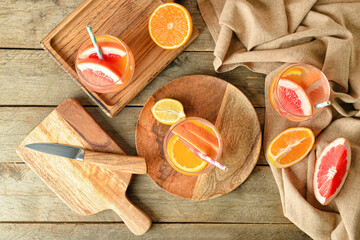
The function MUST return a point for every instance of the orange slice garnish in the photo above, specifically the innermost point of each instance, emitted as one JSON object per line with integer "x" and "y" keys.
{"x": 294, "y": 74}
{"x": 182, "y": 157}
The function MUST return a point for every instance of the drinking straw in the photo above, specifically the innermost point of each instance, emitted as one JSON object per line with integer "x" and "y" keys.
{"x": 210, "y": 160}
{"x": 323, "y": 104}
{"x": 203, "y": 156}
{"x": 93, "y": 39}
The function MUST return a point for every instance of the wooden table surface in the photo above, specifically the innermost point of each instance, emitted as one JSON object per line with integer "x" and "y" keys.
{"x": 32, "y": 85}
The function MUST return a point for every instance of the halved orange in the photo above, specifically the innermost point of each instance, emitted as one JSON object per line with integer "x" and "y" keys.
{"x": 290, "y": 146}
{"x": 170, "y": 25}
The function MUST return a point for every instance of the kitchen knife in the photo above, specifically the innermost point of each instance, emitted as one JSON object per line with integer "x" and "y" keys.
{"x": 117, "y": 162}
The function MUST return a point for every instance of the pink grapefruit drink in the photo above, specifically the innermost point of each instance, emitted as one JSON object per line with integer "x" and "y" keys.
{"x": 110, "y": 74}
{"x": 296, "y": 90}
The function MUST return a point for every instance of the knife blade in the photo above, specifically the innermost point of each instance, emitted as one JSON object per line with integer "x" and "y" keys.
{"x": 116, "y": 162}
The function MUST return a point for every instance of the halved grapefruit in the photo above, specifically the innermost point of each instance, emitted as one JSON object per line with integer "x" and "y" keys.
{"x": 99, "y": 74}
{"x": 331, "y": 170}
{"x": 293, "y": 98}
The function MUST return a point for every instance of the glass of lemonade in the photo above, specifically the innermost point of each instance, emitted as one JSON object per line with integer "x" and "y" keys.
{"x": 186, "y": 137}
{"x": 297, "y": 89}
{"x": 110, "y": 74}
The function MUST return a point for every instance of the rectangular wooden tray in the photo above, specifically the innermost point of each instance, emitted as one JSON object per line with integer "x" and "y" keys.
{"x": 125, "y": 19}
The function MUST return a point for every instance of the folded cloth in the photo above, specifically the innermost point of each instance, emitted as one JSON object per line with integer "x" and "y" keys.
{"x": 266, "y": 36}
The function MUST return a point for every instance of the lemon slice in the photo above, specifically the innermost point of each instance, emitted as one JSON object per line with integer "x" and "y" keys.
{"x": 168, "y": 111}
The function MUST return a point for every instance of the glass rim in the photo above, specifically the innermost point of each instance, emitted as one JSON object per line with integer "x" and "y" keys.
{"x": 127, "y": 68}
{"x": 207, "y": 123}
{"x": 277, "y": 78}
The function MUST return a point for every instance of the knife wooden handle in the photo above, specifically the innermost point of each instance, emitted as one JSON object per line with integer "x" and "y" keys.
{"x": 117, "y": 162}
{"x": 134, "y": 218}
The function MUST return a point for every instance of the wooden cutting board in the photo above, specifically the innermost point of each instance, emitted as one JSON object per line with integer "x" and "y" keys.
{"x": 84, "y": 187}
{"x": 125, "y": 19}
{"x": 232, "y": 113}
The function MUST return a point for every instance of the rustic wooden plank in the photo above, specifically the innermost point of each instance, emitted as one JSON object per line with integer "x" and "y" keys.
{"x": 33, "y": 78}
{"x": 173, "y": 231}
{"x": 47, "y": 84}
{"x": 26, "y": 22}
{"x": 24, "y": 197}
{"x": 17, "y": 122}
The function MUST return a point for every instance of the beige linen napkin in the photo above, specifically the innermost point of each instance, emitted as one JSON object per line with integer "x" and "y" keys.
{"x": 266, "y": 36}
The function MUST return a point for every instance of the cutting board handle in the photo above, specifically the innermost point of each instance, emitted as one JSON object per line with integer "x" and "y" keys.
{"x": 117, "y": 162}
{"x": 136, "y": 220}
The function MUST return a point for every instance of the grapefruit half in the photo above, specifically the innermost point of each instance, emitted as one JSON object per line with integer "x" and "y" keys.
{"x": 331, "y": 170}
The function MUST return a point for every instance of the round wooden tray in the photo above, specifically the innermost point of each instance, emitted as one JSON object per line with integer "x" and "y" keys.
{"x": 232, "y": 113}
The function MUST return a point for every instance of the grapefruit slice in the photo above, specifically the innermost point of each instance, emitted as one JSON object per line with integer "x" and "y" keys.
{"x": 316, "y": 92}
{"x": 202, "y": 133}
{"x": 99, "y": 74}
{"x": 293, "y": 98}
{"x": 331, "y": 170}
{"x": 194, "y": 140}
{"x": 109, "y": 52}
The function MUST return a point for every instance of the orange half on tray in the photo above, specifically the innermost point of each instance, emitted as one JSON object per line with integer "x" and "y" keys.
{"x": 170, "y": 26}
